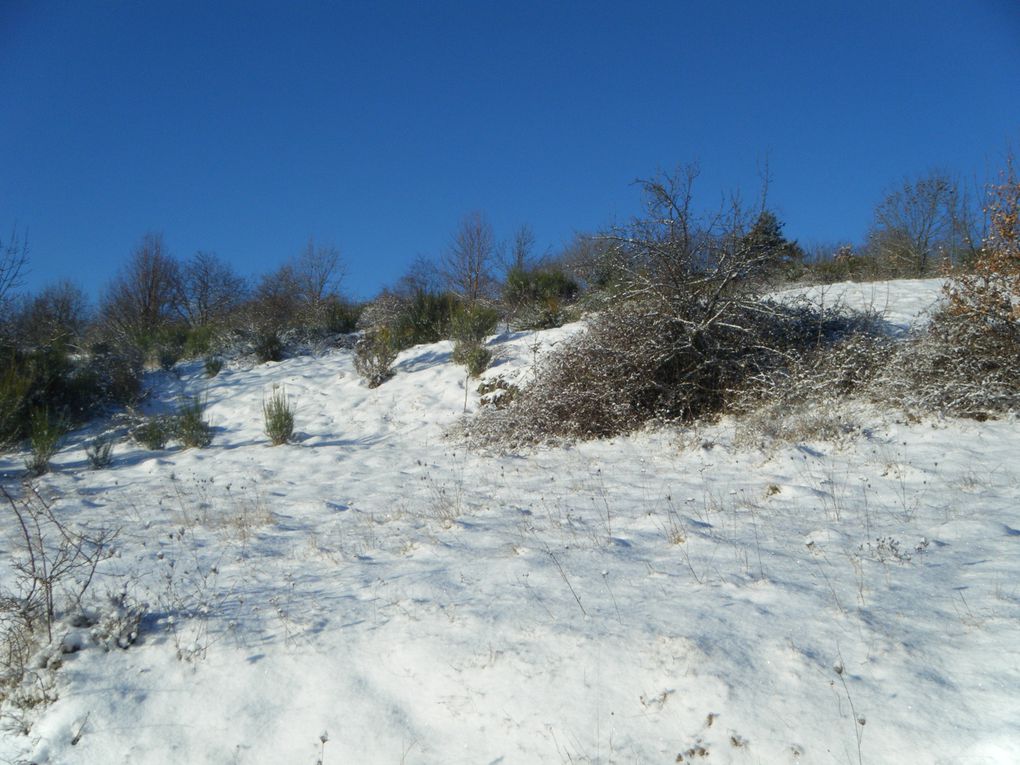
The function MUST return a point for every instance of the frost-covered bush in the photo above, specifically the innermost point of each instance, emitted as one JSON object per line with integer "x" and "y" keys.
{"x": 813, "y": 399}
{"x": 100, "y": 452}
{"x": 686, "y": 334}
{"x": 374, "y": 355}
{"x": 957, "y": 367}
{"x": 634, "y": 365}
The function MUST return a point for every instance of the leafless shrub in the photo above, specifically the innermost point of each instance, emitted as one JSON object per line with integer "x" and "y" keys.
{"x": 633, "y": 366}
{"x": 301, "y": 297}
{"x": 957, "y": 368}
{"x": 686, "y": 335}
{"x": 54, "y": 567}
{"x": 13, "y": 258}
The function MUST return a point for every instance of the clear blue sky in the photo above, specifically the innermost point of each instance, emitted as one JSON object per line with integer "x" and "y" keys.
{"x": 245, "y": 128}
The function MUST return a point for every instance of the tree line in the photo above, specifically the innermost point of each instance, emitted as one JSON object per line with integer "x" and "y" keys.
{"x": 160, "y": 308}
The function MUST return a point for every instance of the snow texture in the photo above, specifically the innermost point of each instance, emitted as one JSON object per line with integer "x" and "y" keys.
{"x": 373, "y": 593}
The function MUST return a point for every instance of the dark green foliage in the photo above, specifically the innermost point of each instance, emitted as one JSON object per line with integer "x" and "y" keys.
{"x": 117, "y": 376}
{"x": 474, "y": 356}
{"x": 268, "y": 346}
{"x": 199, "y": 341}
{"x": 166, "y": 344}
{"x": 766, "y": 245}
{"x": 536, "y": 297}
{"x": 189, "y": 425}
{"x": 339, "y": 317}
{"x": 15, "y": 387}
{"x": 423, "y": 318}
{"x": 49, "y": 377}
{"x": 279, "y": 417}
{"x": 44, "y": 440}
{"x": 534, "y": 285}
{"x": 471, "y": 324}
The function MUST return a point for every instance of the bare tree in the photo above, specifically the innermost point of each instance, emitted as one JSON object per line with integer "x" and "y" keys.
{"x": 521, "y": 249}
{"x": 301, "y": 290}
{"x": 675, "y": 250}
{"x": 924, "y": 222}
{"x": 57, "y": 315}
{"x": 467, "y": 265}
{"x": 210, "y": 289}
{"x": 144, "y": 296}
{"x": 422, "y": 276}
{"x": 13, "y": 258}
{"x": 318, "y": 272}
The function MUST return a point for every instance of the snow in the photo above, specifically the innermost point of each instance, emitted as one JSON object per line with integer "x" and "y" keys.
{"x": 643, "y": 599}
{"x": 903, "y": 304}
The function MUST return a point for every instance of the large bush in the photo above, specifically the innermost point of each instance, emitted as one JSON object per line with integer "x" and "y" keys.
{"x": 686, "y": 335}
{"x": 634, "y": 365}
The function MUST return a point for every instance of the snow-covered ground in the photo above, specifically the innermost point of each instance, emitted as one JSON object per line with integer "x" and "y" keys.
{"x": 374, "y": 593}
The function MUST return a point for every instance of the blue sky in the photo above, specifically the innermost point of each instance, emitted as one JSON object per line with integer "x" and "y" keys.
{"x": 246, "y": 128}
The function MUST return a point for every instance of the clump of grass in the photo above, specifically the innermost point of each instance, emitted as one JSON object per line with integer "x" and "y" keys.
{"x": 279, "y": 417}
{"x": 190, "y": 425}
{"x": 213, "y": 365}
{"x": 100, "y": 452}
{"x": 44, "y": 438}
{"x": 153, "y": 433}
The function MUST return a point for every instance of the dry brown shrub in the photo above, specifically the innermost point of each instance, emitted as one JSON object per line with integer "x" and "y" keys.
{"x": 967, "y": 363}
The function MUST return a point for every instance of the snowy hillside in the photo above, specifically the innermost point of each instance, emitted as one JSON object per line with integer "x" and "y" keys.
{"x": 376, "y": 593}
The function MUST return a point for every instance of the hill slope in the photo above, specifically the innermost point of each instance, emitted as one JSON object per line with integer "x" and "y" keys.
{"x": 373, "y": 593}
